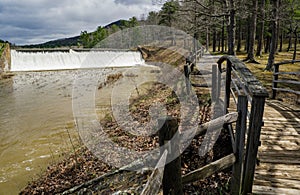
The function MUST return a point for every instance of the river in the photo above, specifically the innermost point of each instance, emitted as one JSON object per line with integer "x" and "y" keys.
{"x": 36, "y": 120}
{"x": 36, "y": 116}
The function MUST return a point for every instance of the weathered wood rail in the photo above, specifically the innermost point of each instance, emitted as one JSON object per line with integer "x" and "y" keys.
{"x": 276, "y": 79}
{"x": 246, "y": 88}
{"x": 191, "y": 62}
{"x": 244, "y": 83}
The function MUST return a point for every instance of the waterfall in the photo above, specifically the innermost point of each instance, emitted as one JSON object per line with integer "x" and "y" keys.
{"x": 38, "y": 61}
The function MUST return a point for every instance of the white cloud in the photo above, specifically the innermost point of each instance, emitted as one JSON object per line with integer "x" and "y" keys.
{"x": 134, "y": 2}
{"x": 36, "y": 21}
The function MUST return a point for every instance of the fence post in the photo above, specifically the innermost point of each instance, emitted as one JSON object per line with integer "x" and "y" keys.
{"x": 241, "y": 125}
{"x": 219, "y": 78}
{"x": 187, "y": 78}
{"x": 253, "y": 142}
{"x": 274, "y": 83}
{"x": 214, "y": 83}
{"x": 172, "y": 179}
{"x": 227, "y": 87}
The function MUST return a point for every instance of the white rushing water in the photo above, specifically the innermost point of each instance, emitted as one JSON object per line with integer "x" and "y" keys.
{"x": 37, "y": 61}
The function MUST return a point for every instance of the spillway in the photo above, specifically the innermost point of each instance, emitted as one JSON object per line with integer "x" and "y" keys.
{"x": 57, "y": 60}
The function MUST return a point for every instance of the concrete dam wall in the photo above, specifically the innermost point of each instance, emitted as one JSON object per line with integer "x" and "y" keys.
{"x": 71, "y": 59}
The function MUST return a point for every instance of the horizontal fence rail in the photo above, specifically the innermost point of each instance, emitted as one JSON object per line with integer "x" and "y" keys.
{"x": 276, "y": 79}
{"x": 246, "y": 90}
{"x": 190, "y": 63}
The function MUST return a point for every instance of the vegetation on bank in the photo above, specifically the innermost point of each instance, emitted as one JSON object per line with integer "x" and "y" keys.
{"x": 82, "y": 166}
{"x": 2, "y": 45}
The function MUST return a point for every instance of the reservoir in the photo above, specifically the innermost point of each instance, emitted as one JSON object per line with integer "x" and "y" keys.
{"x": 36, "y": 117}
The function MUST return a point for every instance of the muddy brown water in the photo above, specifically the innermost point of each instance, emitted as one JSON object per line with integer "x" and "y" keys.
{"x": 37, "y": 121}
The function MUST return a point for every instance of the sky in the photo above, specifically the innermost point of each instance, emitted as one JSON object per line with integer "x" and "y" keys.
{"x": 38, "y": 21}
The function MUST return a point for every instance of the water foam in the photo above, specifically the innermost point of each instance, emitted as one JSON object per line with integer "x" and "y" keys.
{"x": 38, "y": 61}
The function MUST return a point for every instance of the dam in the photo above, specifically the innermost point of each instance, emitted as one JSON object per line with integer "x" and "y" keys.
{"x": 35, "y": 60}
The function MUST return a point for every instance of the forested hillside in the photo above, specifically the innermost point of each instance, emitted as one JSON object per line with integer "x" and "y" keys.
{"x": 226, "y": 26}
{"x": 88, "y": 39}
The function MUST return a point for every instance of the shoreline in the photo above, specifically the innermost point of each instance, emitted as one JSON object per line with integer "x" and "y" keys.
{"x": 82, "y": 167}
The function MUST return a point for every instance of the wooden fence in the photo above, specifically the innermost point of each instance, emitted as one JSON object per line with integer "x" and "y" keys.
{"x": 244, "y": 88}
{"x": 191, "y": 62}
{"x": 240, "y": 82}
{"x": 276, "y": 79}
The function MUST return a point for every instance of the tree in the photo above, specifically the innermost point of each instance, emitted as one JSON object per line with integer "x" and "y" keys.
{"x": 113, "y": 29}
{"x": 295, "y": 23}
{"x": 133, "y": 22}
{"x": 153, "y": 18}
{"x": 274, "y": 34}
{"x": 261, "y": 28}
{"x": 295, "y": 43}
{"x": 211, "y": 17}
{"x": 252, "y": 35}
{"x": 231, "y": 28}
{"x": 84, "y": 38}
{"x": 167, "y": 13}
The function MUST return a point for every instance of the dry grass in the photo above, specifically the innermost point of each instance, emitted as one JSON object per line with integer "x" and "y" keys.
{"x": 266, "y": 77}
{"x": 172, "y": 56}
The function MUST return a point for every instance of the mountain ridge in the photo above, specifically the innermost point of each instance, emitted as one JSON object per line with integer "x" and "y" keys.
{"x": 70, "y": 41}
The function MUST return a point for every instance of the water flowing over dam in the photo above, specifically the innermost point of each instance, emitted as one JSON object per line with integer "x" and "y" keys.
{"x": 58, "y": 60}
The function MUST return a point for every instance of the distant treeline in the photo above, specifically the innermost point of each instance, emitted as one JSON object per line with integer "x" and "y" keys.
{"x": 228, "y": 26}
{"x": 88, "y": 39}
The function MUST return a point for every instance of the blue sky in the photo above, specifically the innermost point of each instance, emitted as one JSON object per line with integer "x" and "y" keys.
{"x": 38, "y": 21}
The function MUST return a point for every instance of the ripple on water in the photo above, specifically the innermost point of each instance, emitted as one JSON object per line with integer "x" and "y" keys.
{"x": 45, "y": 156}
{"x": 33, "y": 122}
{"x": 3, "y": 180}
{"x": 27, "y": 161}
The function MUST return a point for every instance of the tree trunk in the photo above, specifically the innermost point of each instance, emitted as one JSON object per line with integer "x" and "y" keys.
{"x": 274, "y": 36}
{"x": 278, "y": 26}
{"x": 281, "y": 41}
{"x": 231, "y": 29}
{"x": 214, "y": 40}
{"x": 267, "y": 45}
{"x": 261, "y": 29}
{"x": 207, "y": 39}
{"x": 223, "y": 35}
{"x": 248, "y": 36}
{"x": 239, "y": 37}
{"x": 295, "y": 44}
{"x": 290, "y": 41}
{"x": 250, "y": 56}
{"x": 219, "y": 41}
